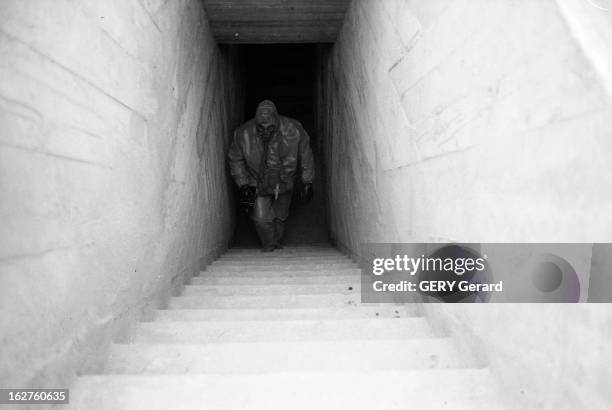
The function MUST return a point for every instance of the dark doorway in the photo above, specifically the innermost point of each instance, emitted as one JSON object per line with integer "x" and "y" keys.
{"x": 285, "y": 74}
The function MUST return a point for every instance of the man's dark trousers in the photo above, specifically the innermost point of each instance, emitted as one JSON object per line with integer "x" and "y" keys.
{"x": 269, "y": 216}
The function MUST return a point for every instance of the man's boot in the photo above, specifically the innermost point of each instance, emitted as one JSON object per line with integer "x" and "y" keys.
{"x": 279, "y": 230}
{"x": 266, "y": 233}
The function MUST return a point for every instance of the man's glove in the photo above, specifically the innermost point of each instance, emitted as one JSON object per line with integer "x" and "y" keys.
{"x": 306, "y": 193}
{"x": 247, "y": 197}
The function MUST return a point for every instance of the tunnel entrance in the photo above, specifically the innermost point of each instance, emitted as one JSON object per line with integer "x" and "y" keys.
{"x": 285, "y": 74}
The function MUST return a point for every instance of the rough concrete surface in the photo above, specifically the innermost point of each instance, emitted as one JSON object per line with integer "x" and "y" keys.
{"x": 115, "y": 117}
{"x": 476, "y": 121}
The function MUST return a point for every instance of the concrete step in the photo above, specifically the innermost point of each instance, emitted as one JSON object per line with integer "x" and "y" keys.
{"x": 267, "y": 257}
{"x": 349, "y": 288}
{"x": 278, "y": 266}
{"x": 275, "y": 280}
{"x": 276, "y": 254}
{"x": 281, "y": 255}
{"x": 419, "y": 389}
{"x": 280, "y": 262}
{"x": 256, "y": 249}
{"x": 267, "y": 357}
{"x": 267, "y": 272}
{"x": 265, "y": 301}
{"x": 285, "y": 249}
{"x": 327, "y": 245}
{"x": 369, "y": 310}
{"x": 281, "y": 330}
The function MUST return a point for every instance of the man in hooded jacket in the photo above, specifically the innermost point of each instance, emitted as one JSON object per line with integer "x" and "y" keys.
{"x": 263, "y": 160}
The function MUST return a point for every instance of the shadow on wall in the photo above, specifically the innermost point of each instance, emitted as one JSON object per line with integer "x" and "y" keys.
{"x": 285, "y": 74}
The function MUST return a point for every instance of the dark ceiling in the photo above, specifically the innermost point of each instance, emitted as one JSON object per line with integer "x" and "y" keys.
{"x": 276, "y": 21}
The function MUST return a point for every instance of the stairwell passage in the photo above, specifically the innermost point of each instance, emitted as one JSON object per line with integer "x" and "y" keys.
{"x": 284, "y": 331}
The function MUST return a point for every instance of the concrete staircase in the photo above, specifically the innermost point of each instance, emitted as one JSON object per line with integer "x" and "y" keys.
{"x": 284, "y": 330}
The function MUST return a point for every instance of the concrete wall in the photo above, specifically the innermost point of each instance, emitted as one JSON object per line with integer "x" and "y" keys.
{"x": 113, "y": 187}
{"x": 481, "y": 121}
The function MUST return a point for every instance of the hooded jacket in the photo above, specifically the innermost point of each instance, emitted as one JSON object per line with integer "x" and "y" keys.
{"x": 264, "y": 163}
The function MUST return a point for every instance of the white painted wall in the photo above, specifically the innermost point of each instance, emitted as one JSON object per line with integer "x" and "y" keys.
{"x": 481, "y": 121}
{"x": 114, "y": 118}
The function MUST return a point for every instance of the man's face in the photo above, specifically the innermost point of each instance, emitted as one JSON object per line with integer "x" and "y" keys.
{"x": 266, "y": 128}
{"x": 265, "y": 118}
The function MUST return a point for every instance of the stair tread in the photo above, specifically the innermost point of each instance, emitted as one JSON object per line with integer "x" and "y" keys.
{"x": 284, "y": 258}
{"x": 264, "y": 258}
{"x": 284, "y": 251}
{"x": 274, "y": 280}
{"x": 353, "y": 287}
{"x": 284, "y": 272}
{"x": 285, "y": 248}
{"x": 265, "y": 301}
{"x": 265, "y": 357}
{"x": 337, "y": 313}
{"x": 267, "y": 256}
{"x": 281, "y": 330}
{"x": 423, "y": 389}
{"x": 274, "y": 255}
{"x": 278, "y": 262}
{"x": 280, "y": 265}
{"x": 315, "y": 245}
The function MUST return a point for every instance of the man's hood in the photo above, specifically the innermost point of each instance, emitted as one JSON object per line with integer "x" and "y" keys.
{"x": 266, "y": 113}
